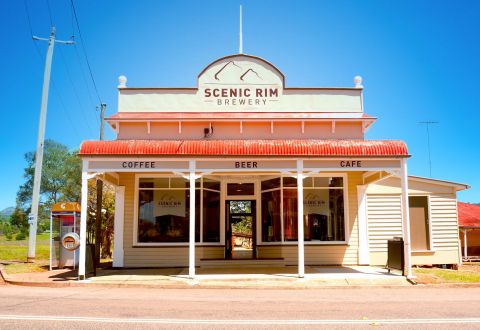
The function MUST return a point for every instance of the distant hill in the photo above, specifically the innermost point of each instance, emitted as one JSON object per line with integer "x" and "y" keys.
{"x": 7, "y": 212}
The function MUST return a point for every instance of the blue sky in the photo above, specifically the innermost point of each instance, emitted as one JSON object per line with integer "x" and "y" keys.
{"x": 419, "y": 61}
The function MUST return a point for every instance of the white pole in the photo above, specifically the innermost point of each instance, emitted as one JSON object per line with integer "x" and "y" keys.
{"x": 118, "y": 253}
{"x": 406, "y": 218}
{"x": 37, "y": 178}
{"x": 465, "y": 254}
{"x": 301, "y": 247}
{"x": 83, "y": 226}
{"x": 191, "y": 245}
{"x": 240, "y": 46}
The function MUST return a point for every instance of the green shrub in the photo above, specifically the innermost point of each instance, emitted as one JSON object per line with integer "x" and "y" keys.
{"x": 20, "y": 236}
{"x": 8, "y": 236}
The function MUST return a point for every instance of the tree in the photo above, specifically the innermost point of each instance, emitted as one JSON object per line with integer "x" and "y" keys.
{"x": 61, "y": 181}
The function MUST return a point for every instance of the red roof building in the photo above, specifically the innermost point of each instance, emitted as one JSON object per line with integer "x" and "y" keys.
{"x": 241, "y": 166}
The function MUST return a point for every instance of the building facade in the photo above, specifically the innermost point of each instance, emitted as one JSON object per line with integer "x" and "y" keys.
{"x": 243, "y": 169}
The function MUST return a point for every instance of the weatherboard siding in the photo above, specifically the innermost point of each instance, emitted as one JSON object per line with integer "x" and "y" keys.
{"x": 384, "y": 218}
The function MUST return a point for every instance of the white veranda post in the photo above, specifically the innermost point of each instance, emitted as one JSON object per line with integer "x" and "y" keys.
{"x": 83, "y": 227}
{"x": 191, "y": 246}
{"x": 406, "y": 218}
{"x": 301, "y": 247}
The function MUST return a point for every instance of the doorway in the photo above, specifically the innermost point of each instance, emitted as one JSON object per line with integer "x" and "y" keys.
{"x": 419, "y": 223}
{"x": 240, "y": 242}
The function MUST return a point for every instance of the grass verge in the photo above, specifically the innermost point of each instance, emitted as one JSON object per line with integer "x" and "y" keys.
{"x": 438, "y": 276}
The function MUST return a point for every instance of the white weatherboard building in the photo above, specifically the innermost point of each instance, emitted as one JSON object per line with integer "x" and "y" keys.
{"x": 244, "y": 170}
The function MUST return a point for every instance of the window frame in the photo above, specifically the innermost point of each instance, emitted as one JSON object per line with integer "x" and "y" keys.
{"x": 135, "y": 241}
{"x": 346, "y": 217}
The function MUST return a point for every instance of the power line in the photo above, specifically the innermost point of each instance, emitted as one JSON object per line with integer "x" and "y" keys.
{"x": 29, "y": 23}
{"x": 427, "y": 124}
{"x": 77, "y": 55}
{"x": 84, "y": 50}
{"x": 49, "y": 13}
{"x": 67, "y": 70}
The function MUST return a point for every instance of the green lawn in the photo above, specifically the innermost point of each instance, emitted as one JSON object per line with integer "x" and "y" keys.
{"x": 13, "y": 250}
{"x": 436, "y": 275}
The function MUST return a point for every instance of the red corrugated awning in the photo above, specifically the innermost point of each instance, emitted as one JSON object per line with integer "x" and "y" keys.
{"x": 468, "y": 215}
{"x": 312, "y": 148}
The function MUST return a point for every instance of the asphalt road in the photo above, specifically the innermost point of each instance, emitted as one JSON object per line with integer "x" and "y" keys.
{"x": 147, "y": 308}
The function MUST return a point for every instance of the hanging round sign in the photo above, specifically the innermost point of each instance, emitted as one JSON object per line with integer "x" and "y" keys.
{"x": 71, "y": 241}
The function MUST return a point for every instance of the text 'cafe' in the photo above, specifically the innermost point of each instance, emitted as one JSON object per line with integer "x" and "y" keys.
{"x": 243, "y": 169}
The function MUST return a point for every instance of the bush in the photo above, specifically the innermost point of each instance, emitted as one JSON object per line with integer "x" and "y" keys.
{"x": 20, "y": 236}
{"x": 8, "y": 236}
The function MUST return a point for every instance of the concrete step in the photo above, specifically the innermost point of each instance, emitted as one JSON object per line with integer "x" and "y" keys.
{"x": 228, "y": 263}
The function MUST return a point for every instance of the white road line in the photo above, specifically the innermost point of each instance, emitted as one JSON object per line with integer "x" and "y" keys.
{"x": 236, "y": 322}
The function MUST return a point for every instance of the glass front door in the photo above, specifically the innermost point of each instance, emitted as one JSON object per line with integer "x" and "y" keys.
{"x": 240, "y": 229}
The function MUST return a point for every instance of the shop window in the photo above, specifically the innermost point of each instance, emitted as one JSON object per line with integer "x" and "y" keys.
{"x": 211, "y": 216}
{"x": 271, "y": 184}
{"x": 164, "y": 211}
{"x": 271, "y": 217}
{"x": 323, "y": 208}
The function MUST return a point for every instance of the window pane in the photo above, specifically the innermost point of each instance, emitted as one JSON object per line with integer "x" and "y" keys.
{"x": 324, "y": 215}
{"x": 179, "y": 183}
{"x": 290, "y": 214}
{"x": 211, "y": 184}
{"x": 240, "y": 207}
{"x": 211, "y": 216}
{"x": 289, "y": 182}
{"x": 238, "y": 189}
{"x": 328, "y": 182}
{"x": 271, "y": 220}
{"x": 153, "y": 183}
{"x": 271, "y": 184}
{"x": 324, "y": 218}
{"x": 308, "y": 182}
{"x": 163, "y": 216}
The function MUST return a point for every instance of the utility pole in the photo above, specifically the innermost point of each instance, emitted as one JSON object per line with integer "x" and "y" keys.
{"x": 98, "y": 220}
{"x": 37, "y": 179}
{"x": 428, "y": 123}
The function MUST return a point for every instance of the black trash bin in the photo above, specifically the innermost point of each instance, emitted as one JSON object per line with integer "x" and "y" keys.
{"x": 396, "y": 256}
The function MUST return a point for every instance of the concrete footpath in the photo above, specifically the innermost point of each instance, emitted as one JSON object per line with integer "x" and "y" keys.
{"x": 254, "y": 277}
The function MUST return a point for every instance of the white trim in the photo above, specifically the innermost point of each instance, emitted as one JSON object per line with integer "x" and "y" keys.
{"x": 118, "y": 252}
{"x": 191, "y": 249}
{"x": 406, "y": 219}
{"x": 363, "y": 246}
{"x": 83, "y": 222}
{"x": 300, "y": 222}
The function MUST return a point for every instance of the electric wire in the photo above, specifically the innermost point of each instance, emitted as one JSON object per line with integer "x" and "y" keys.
{"x": 29, "y": 23}
{"x": 85, "y": 51}
{"x": 67, "y": 70}
{"x": 50, "y": 13}
{"x": 85, "y": 80}
{"x": 80, "y": 64}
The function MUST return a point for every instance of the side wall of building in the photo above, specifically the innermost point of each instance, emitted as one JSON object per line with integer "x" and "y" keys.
{"x": 384, "y": 217}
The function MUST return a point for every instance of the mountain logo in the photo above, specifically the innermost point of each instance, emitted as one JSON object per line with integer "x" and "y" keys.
{"x": 243, "y": 85}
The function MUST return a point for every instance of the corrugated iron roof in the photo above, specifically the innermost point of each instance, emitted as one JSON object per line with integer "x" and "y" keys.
{"x": 313, "y": 148}
{"x": 468, "y": 215}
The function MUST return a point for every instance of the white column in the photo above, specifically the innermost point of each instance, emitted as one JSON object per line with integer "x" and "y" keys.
{"x": 465, "y": 244}
{"x": 83, "y": 226}
{"x": 118, "y": 226}
{"x": 363, "y": 249}
{"x": 191, "y": 245}
{"x": 301, "y": 245}
{"x": 406, "y": 218}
